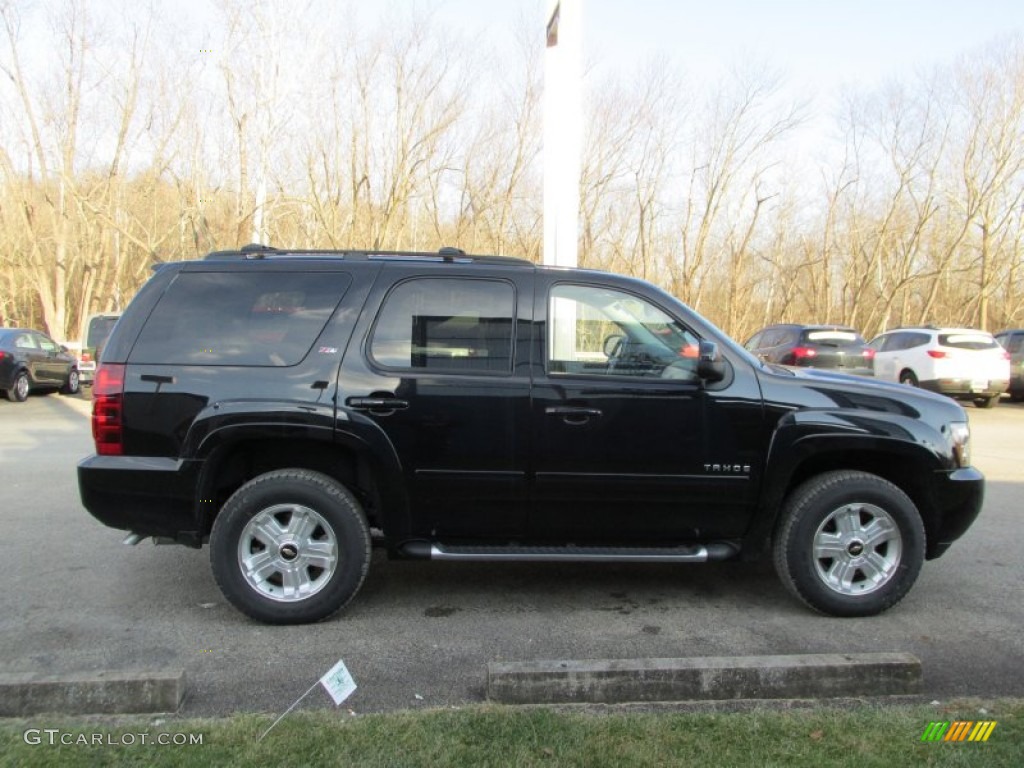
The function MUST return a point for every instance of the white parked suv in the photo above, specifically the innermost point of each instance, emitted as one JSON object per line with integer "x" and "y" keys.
{"x": 959, "y": 362}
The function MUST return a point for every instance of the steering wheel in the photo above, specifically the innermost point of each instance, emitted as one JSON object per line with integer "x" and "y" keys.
{"x": 613, "y": 346}
{"x": 681, "y": 370}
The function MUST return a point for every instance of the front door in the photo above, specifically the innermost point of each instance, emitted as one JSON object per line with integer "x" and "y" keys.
{"x": 629, "y": 444}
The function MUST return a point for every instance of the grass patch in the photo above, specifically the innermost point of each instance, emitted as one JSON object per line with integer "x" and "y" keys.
{"x": 479, "y": 737}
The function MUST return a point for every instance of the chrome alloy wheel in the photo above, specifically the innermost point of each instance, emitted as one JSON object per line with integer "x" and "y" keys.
{"x": 287, "y": 552}
{"x": 857, "y": 549}
{"x": 21, "y": 387}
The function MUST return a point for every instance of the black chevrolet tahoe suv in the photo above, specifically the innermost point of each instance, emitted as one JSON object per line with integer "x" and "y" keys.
{"x": 289, "y": 408}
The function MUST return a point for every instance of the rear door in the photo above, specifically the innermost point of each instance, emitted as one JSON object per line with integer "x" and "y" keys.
{"x": 442, "y": 369}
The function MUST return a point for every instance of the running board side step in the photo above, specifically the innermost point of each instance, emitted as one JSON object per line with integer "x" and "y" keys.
{"x": 516, "y": 554}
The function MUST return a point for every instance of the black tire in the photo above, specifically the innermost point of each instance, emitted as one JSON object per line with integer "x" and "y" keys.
{"x": 73, "y": 384}
{"x": 881, "y": 572}
{"x": 909, "y": 378}
{"x": 986, "y": 402}
{"x": 303, "y": 514}
{"x": 18, "y": 393}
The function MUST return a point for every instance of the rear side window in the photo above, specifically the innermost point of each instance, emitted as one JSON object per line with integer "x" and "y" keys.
{"x": 967, "y": 341}
{"x": 448, "y": 325}
{"x": 236, "y": 318}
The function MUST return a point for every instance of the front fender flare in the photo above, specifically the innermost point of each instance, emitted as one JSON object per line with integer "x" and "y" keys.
{"x": 832, "y": 437}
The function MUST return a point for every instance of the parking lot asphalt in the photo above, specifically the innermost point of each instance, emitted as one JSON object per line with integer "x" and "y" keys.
{"x": 421, "y": 634}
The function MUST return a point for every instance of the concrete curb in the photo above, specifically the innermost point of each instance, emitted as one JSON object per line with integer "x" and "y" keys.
{"x": 92, "y": 693}
{"x": 713, "y": 678}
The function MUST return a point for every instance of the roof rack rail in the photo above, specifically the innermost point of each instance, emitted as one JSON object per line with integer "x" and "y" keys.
{"x": 447, "y": 254}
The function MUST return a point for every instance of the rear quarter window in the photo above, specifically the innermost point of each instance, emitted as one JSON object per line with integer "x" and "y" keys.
{"x": 238, "y": 318}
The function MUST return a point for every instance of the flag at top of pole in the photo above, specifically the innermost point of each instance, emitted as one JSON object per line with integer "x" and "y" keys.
{"x": 563, "y": 128}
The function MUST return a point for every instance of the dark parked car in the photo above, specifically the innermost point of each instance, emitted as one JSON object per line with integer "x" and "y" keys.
{"x": 280, "y": 405}
{"x": 834, "y": 347}
{"x": 1013, "y": 342}
{"x": 32, "y": 361}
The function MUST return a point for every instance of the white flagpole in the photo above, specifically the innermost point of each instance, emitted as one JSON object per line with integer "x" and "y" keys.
{"x": 563, "y": 129}
{"x": 314, "y": 685}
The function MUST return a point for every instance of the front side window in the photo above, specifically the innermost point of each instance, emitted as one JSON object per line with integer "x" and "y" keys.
{"x": 449, "y": 325}
{"x": 601, "y": 331}
{"x": 47, "y": 344}
{"x": 239, "y": 318}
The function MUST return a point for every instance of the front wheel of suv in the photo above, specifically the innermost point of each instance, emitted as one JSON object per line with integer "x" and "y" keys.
{"x": 986, "y": 402}
{"x": 290, "y": 546}
{"x": 71, "y": 386}
{"x": 849, "y": 543}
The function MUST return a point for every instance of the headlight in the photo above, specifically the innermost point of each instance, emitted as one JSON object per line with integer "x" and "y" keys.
{"x": 960, "y": 434}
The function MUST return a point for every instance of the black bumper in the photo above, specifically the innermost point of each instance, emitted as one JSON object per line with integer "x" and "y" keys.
{"x": 957, "y": 497}
{"x": 146, "y": 495}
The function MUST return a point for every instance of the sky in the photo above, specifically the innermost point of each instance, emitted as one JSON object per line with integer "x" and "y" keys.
{"x": 819, "y": 45}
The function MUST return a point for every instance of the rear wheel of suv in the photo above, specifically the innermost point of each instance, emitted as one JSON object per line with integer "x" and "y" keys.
{"x": 908, "y": 378}
{"x": 849, "y": 543}
{"x": 290, "y": 547}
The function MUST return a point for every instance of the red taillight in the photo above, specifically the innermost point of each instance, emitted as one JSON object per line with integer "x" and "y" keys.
{"x": 107, "y": 423}
{"x": 2, "y": 354}
{"x": 869, "y": 354}
{"x": 938, "y": 354}
{"x": 799, "y": 352}
{"x": 1006, "y": 355}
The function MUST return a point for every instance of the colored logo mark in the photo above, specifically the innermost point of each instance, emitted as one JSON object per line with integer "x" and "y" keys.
{"x": 959, "y": 730}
